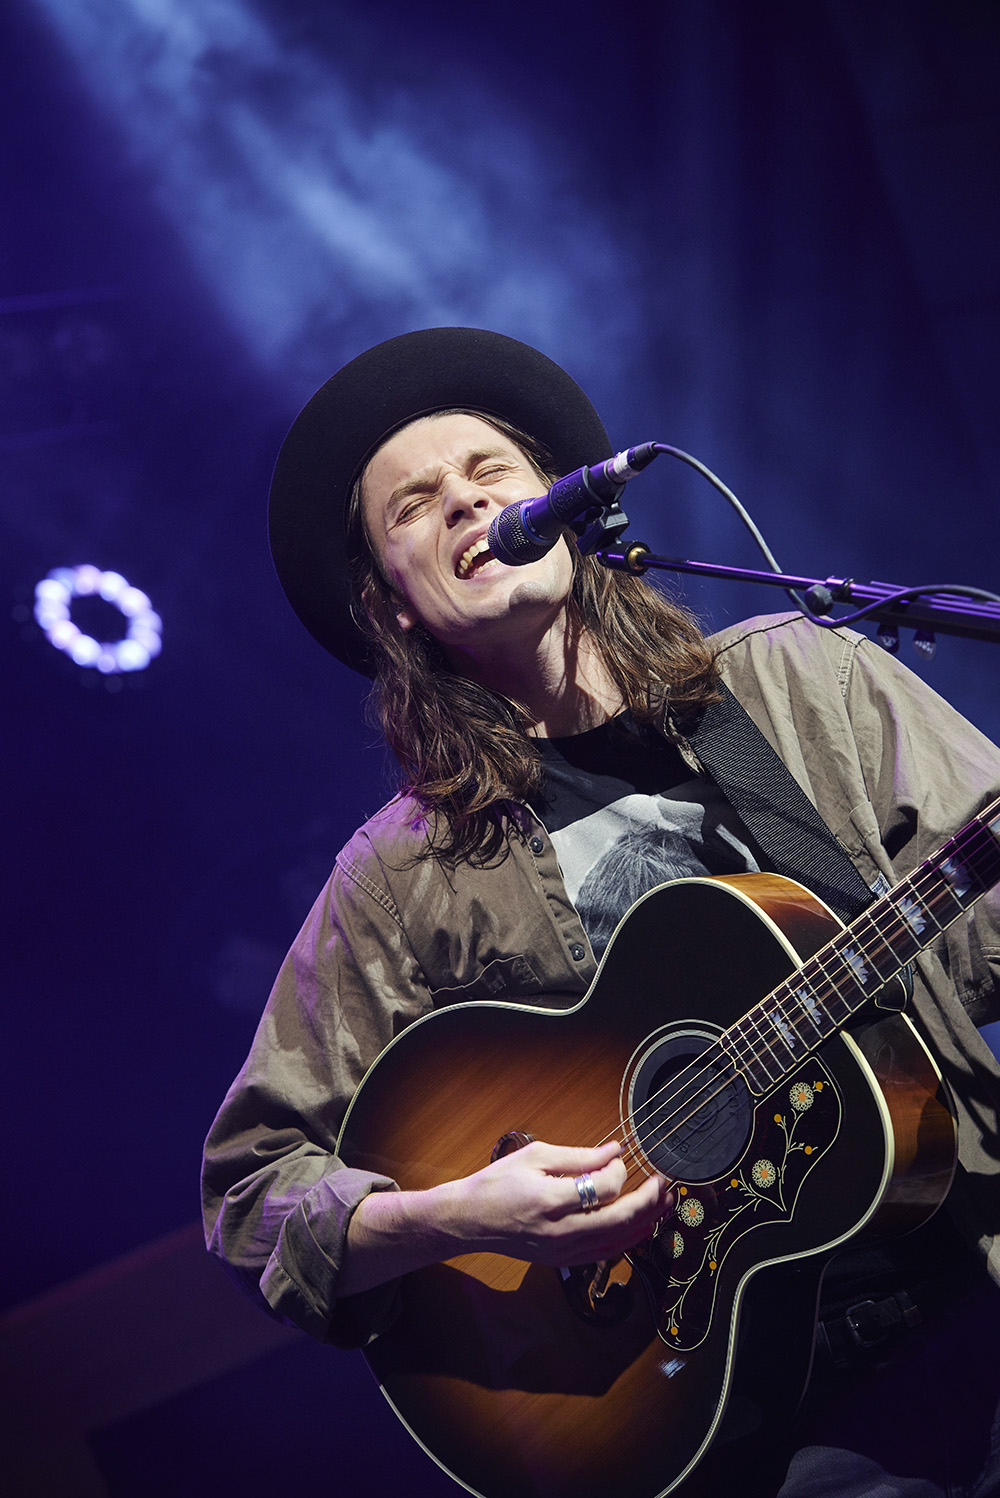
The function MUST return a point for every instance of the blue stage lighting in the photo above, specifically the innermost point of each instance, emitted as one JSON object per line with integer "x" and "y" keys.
{"x": 327, "y": 203}
{"x": 53, "y": 601}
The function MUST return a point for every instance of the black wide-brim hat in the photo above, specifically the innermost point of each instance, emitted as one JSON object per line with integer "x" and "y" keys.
{"x": 374, "y": 395}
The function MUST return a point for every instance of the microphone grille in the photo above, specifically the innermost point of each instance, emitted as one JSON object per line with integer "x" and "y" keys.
{"x": 512, "y": 543}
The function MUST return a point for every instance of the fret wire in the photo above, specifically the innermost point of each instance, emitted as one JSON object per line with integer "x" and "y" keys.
{"x": 984, "y": 859}
{"x": 783, "y": 1028}
{"x": 769, "y": 1060}
{"x": 770, "y": 1068}
{"x": 942, "y": 902}
{"x": 810, "y": 1006}
{"x": 829, "y": 1011}
{"x": 814, "y": 970}
{"x": 890, "y": 933}
{"x": 978, "y": 838}
{"x": 737, "y": 1032}
{"x": 761, "y": 1036}
{"x": 835, "y": 981}
{"x": 794, "y": 1011}
{"x": 794, "y": 1015}
{"x": 744, "y": 1027}
{"x": 924, "y": 905}
{"x": 780, "y": 1001}
{"x": 932, "y": 879}
{"x": 805, "y": 1009}
{"x": 747, "y": 1065}
{"x": 977, "y": 848}
{"x": 897, "y": 940}
{"x": 872, "y": 947}
{"x": 734, "y": 1034}
{"x": 910, "y": 920}
{"x": 965, "y": 852}
{"x": 862, "y": 973}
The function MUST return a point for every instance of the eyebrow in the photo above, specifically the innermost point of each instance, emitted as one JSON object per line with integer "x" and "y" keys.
{"x": 428, "y": 485}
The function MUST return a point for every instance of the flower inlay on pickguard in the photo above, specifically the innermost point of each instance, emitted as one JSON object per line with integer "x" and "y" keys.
{"x": 764, "y": 1173}
{"x": 762, "y": 1188}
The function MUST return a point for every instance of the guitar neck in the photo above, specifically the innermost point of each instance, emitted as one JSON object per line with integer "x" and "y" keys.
{"x": 823, "y": 994}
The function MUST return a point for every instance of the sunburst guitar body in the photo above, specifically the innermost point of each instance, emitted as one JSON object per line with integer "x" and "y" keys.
{"x": 731, "y": 1041}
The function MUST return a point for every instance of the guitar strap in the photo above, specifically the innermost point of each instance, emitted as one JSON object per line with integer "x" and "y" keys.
{"x": 789, "y": 830}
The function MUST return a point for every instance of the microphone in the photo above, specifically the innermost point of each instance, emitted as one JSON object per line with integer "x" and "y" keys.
{"x": 528, "y": 529}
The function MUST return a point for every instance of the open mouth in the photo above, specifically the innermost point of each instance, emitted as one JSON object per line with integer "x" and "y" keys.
{"x": 475, "y": 559}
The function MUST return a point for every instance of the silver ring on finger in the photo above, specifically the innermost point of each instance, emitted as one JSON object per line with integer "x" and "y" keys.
{"x": 587, "y": 1191}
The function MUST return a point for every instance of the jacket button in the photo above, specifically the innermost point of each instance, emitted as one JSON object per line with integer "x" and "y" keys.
{"x": 577, "y": 952}
{"x": 536, "y": 845}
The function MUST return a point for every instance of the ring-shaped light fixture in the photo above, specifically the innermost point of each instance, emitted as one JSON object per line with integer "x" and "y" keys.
{"x": 142, "y": 640}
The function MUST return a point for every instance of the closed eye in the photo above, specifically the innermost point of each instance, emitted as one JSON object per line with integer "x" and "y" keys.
{"x": 494, "y": 470}
{"x": 409, "y": 511}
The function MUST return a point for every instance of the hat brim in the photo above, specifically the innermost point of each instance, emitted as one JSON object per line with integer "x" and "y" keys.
{"x": 374, "y": 395}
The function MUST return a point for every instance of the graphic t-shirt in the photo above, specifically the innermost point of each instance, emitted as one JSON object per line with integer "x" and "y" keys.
{"x": 625, "y": 813}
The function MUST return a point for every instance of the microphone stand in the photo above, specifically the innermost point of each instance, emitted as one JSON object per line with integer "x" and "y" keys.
{"x": 949, "y": 613}
{"x": 599, "y": 526}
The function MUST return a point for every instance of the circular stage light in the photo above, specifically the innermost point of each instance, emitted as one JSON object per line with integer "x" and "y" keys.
{"x": 53, "y": 600}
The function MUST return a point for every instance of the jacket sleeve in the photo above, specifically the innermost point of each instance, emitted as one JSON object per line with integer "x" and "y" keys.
{"x": 277, "y": 1200}
{"x": 929, "y": 771}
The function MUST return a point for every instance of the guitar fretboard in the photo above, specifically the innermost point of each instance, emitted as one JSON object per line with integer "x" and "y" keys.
{"x": 820, "y": 997}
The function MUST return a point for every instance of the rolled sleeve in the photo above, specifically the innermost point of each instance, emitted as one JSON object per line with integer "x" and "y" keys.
{"x": 277, "y": 1199}
{"x": 300, "y": 1276}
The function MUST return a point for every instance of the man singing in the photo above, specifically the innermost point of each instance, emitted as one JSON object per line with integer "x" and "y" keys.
{"x": 549, "y": 720}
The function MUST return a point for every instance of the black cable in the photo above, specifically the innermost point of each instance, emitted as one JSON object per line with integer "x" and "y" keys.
{"x": 727, "y": 494}
{"x": 902, "y": 596}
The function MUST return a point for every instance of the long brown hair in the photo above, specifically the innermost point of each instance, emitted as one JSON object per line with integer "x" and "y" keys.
{"x": 465, "y": 751}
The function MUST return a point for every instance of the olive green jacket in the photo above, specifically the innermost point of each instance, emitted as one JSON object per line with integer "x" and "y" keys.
{"x": 892, "y": 770}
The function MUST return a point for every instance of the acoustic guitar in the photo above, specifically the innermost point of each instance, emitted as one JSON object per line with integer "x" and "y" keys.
{"x": 733, "y": 1041}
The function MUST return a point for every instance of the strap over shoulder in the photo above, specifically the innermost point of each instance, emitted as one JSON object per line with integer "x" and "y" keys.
{"x": 788, "y": 828}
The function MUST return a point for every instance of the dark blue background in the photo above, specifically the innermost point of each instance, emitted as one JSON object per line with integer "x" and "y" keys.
{"x": 764, "y": 233}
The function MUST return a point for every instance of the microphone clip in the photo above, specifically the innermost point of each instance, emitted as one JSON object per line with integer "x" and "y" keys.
{"x": 600, "y": 531}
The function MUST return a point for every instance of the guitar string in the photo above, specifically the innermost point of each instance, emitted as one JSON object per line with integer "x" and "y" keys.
{"x": 708, "y": 1059}
{"x": 631, "y": 1140}
{"x": 681, "y": 1083}
{"x": 928, "y": 881}
{"x": 929, "y": 873}
{"x": 678, "y": 1084}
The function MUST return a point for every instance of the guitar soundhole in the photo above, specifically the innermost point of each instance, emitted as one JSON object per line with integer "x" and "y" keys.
{"x": 691, "y": 1115}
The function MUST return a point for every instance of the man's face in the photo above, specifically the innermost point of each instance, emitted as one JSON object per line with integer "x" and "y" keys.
{"x": 429, "y": 495}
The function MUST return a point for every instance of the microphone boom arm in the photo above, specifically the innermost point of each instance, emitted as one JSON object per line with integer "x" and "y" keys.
{"x": 950, "y": 609}
{"x": 587, "y": 503}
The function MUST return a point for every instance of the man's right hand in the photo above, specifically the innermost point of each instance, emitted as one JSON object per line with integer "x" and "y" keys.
{"x": 526, "y": 1205}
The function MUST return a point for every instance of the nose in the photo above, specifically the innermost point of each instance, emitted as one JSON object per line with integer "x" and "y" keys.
{"x": 462, "y": 498}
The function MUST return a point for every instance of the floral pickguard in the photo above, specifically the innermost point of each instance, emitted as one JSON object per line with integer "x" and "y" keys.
{"x": 793, "y": 1129}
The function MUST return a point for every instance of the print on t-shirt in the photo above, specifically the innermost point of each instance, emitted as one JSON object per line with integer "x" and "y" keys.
{"x": 626, "y": 813}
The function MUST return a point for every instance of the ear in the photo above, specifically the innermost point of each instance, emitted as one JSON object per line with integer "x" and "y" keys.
{"x": 404, "y": 617}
